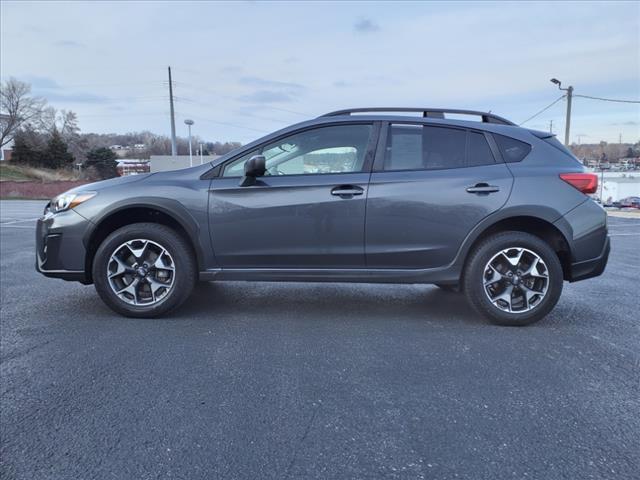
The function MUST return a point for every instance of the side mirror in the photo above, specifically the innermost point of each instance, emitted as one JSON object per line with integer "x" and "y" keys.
{"x": 254, "y": 167}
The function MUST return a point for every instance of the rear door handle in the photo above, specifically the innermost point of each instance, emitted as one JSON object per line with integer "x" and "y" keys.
{"x": 347, "y": 191}
{"x": 483, "y": 188}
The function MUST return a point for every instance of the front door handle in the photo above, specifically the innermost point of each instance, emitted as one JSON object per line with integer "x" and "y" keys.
{"x": 483, "y": 188}
{"x": 347, "y": 191}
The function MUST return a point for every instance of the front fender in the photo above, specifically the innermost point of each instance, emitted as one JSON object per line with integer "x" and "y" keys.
{"x": 173, "y": 208}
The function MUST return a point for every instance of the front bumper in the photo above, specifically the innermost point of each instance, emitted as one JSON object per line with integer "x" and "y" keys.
{"x": 60, "y": 251}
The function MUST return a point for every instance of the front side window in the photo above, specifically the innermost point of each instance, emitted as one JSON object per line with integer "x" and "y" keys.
{"x": 416, "y": 147}
{"x": 236, "y": 167}
{"x": 332, "y": 149}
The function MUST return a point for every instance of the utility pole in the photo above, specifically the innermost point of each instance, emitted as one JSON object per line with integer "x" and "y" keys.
{"x": 569, "y": 98}
{"x": 568, "y": 127}
{"x": 200, "y": 154}
{"x": 174, "y": 150}
{"x": 550, "y": 126}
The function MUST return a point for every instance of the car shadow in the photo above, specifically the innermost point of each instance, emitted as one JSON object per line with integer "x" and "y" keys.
{"x": 322, "y": 301}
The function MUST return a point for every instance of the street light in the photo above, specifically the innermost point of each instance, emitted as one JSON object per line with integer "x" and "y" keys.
{"x": 569, "y": 96}
{"x": 189, "y": 122}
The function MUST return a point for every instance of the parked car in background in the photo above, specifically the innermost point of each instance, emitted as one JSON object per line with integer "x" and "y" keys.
{"x": 629, "y": 202}
{"x": 485, "y": 207}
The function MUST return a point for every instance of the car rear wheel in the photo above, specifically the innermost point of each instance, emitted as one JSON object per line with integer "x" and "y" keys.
{"x": 513, "y": 278}
{"x": 144, "y": 270}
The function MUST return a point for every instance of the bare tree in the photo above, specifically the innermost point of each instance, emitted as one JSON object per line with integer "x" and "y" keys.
{"x": 68, "y": 124}
{"x": 17, "y": 107}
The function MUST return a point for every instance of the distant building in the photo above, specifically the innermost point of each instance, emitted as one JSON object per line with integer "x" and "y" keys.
{"x": 614, "y": 186}
{"x": 5, "y": 150}
{"x": 162, "y": 163}
{"x": 132, "y": 166}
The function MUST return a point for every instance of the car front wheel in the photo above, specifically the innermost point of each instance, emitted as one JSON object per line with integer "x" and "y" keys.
{"x": 513, "y": 278}
{"x": 144, "y": 270}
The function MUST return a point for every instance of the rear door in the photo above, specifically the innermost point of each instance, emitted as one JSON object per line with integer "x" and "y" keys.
{"x": 430, "y": 186}
{"x": 306, "y": 212}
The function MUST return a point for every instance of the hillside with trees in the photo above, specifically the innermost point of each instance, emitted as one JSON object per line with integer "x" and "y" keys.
{"x": 51, "y": 139}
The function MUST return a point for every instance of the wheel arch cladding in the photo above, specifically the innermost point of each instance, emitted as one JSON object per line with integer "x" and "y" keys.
{"x": 539, "y": 227}
{"x": 140, "y": 212}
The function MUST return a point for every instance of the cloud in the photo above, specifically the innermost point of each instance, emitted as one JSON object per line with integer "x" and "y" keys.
{"x": 266, "y": 96}
{"x": 231, "y": 69}
{"x": 270, "y": 91}
{"x": 265, "y": 83}
{"x": 627, "y": 123}
{"x": 79, "y": 97}
{"x": 69, "y": 43}
{"x": 48, "y": 88}
{"x": 365, "y": 25}
{"x": 45, "y": 83}
{"x": 341, "y": 84}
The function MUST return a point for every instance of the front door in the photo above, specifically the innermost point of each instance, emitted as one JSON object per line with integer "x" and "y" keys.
{"x": 430, "y": 186}
{"x": 307, "y": 211}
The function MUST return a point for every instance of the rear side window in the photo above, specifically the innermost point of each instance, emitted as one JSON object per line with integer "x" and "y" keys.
{"x": 478, "y": 152}
{"x": 416, "y": 147}
{"x": 512, "y": 150}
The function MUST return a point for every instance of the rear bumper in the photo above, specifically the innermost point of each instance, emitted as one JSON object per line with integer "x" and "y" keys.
{"x": 60, "y": 251}
{"x": 590, "y": 268}
{"x": 585, "y": 229}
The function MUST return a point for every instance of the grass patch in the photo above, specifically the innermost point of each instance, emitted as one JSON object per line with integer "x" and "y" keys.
{"x": 12, "y": 172}
{"x": 20, "y": 173}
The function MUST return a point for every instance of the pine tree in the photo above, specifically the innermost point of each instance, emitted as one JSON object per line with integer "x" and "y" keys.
{"x": 103, "y": 161}
{"x": 23, "y": 153}
{"x": 56, "y": 155}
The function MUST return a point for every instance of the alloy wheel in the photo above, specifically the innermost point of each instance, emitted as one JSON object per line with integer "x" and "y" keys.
{"x": 141, "y": 272}
{"x": 516, "y": 280}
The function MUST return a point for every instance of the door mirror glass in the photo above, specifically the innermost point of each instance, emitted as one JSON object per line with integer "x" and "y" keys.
{"x": 254, "y": 167}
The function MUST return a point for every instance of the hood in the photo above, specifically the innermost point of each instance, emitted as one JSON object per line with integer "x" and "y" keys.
{"x": 112, "y": 182}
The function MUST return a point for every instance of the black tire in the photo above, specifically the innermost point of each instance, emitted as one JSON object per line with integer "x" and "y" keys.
{"x": 448, "y": 288}
{"x": 474, "y": 277}
{"x": 185, "y": 274}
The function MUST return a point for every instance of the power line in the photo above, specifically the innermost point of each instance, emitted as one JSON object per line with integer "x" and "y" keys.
{"x": 607, "y": 99}
{"x": 227, "y": 97}
{"x": 543, "y": 110}
{"x": 202, "y": 104}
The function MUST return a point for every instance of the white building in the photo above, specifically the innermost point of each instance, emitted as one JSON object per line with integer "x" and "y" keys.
{"x": 161, "y": 163}
{"x": 614, "y": 186}
{"x": 5, "y": 150}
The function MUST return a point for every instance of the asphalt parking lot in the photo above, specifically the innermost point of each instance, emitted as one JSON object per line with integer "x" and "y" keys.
{"x": 275, "y": 381}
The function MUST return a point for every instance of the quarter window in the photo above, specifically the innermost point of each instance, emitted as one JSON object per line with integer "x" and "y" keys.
{"x": 512, "y": 150}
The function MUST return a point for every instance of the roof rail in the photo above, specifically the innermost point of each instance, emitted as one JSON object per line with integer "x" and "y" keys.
{"x": 426, "y": 112}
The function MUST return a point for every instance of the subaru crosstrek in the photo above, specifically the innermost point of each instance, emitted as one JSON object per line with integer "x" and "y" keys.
{"x": 392, "y": 195}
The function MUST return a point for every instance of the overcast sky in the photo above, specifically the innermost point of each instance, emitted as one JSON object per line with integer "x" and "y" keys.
{"x": 247, "y": 68}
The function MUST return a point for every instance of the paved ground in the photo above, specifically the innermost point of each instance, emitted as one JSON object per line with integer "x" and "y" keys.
{"x": 316, "y": 381}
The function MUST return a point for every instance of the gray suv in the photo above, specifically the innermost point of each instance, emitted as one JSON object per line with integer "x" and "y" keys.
{"x": 464, "y": 200}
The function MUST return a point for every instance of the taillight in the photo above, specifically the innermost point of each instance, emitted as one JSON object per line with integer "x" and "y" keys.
{"x": 585, "y": 182}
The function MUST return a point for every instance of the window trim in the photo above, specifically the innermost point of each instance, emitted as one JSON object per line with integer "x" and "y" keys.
{"x": 386, "y": 128}
{"x": 367, "y": 164}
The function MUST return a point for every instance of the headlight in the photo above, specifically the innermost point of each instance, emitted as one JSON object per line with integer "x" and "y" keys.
{"x": 65, "y": 201}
